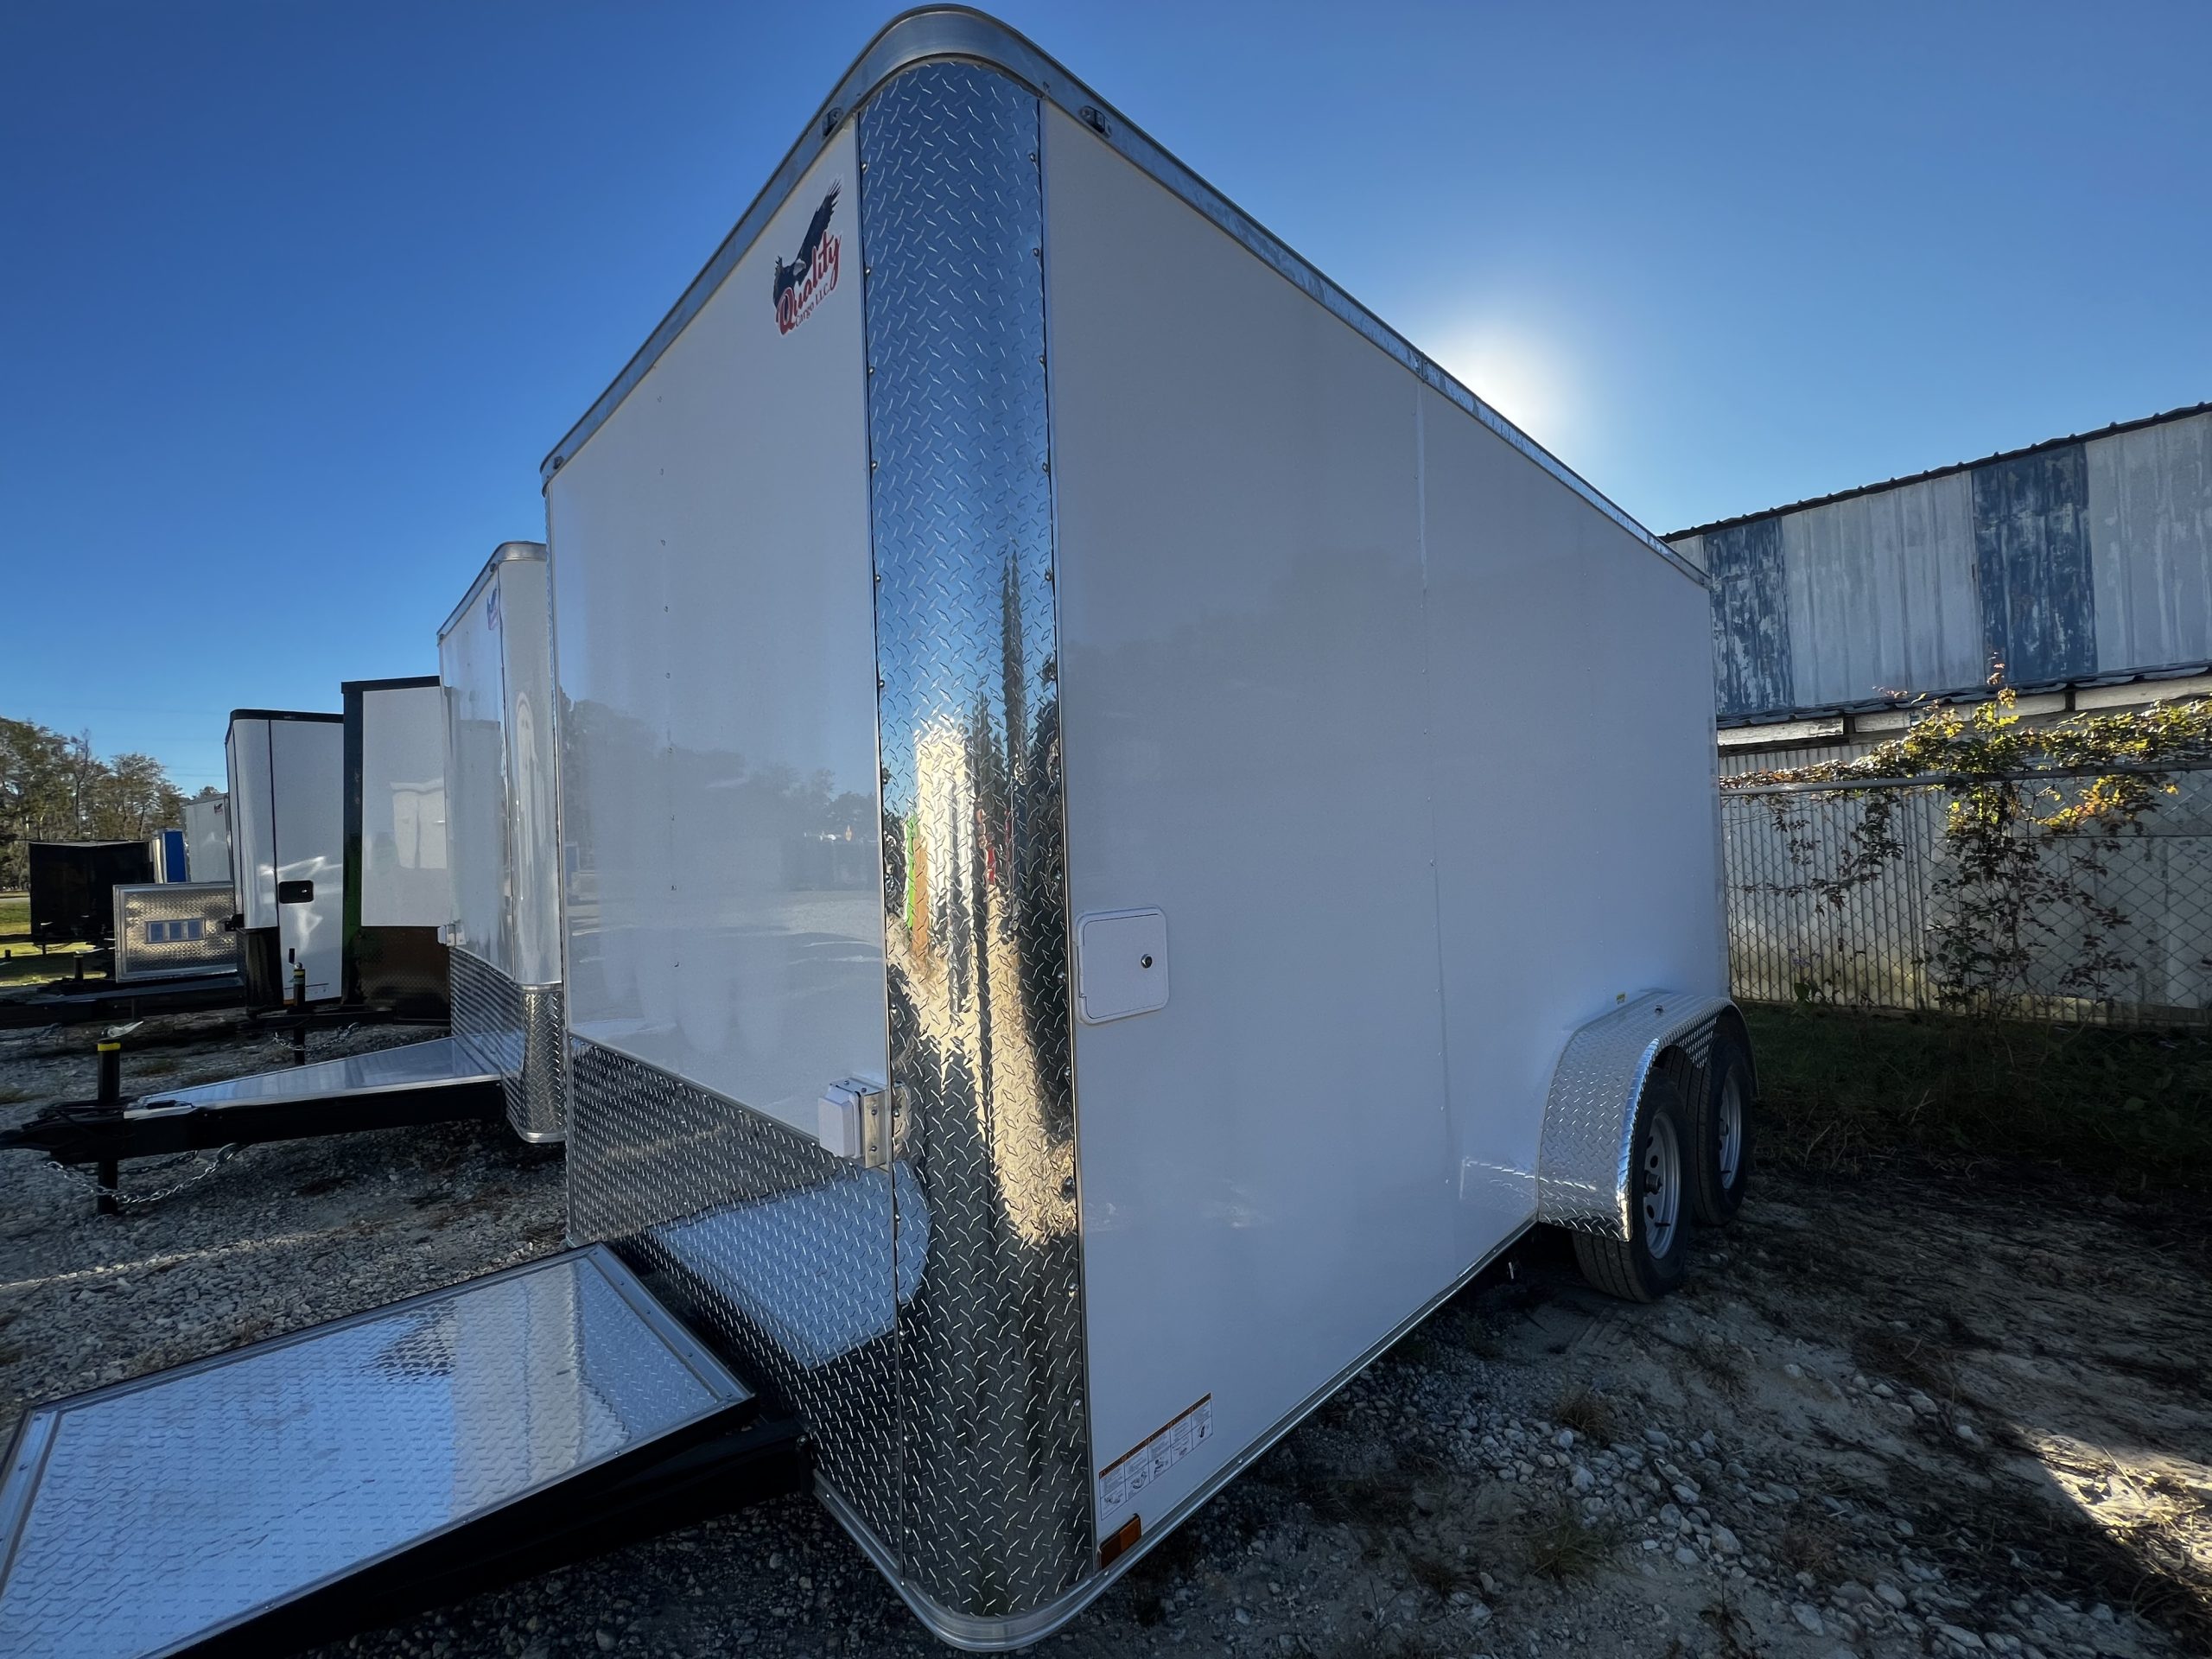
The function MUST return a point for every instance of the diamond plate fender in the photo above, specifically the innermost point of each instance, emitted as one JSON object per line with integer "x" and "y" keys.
{"x": 1582, "y": 1164}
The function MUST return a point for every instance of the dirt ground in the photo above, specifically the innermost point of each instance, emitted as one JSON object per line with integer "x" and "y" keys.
{"x": 1917, "y": 1411}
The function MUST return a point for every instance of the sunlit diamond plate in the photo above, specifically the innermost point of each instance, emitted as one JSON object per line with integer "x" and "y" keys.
{"x": 515, "y": 1030}
{"x": 995, "y": 1516}
{"x": 161, "y": 1511}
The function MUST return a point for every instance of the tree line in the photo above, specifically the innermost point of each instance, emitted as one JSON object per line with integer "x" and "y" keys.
{"x": 53, "y": 787}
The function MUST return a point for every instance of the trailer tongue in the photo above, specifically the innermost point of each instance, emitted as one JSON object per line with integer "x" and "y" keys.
{"x": 444, "y": 1080}
{"x": 230, "y": 1501}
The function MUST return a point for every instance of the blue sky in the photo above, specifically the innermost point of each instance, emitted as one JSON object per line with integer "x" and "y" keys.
{"x": 295, "y": 297}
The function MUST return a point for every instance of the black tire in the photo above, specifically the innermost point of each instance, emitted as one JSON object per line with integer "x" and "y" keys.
{"x": 1658, "y": 1203}
{"x": 1720, "y": 1131}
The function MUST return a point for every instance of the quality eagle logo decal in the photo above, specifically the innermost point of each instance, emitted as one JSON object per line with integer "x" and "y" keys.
{"x": 812, "y": 273}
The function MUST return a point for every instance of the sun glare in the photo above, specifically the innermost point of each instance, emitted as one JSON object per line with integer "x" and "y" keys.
{"x": 1515, "y": 372}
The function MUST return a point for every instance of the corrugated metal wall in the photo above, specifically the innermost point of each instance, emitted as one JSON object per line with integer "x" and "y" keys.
{"x": 1750, "y": 615}
{"x": 2150, "y": 530}
{"x": 2031, "y": 566}
{"x": 2074, "y": 560}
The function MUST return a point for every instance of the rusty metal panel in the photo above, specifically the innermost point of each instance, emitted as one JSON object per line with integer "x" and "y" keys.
{"x": 1751, "y": 618}
{"x": 2031, "y": 562}
{"x": 2150, "y": 529}
{"x": 1881, "y": 593}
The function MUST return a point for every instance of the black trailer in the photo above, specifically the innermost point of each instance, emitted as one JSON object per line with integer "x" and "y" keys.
{"x": 74, "y": 884}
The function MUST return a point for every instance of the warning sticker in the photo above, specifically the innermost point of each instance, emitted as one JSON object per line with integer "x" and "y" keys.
{"x": 1120, "y": 1481}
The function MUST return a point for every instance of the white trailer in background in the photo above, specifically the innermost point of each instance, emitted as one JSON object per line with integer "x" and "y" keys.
{"x": 208, "y": 838}
{"x": 398, "y": 887}
{"x": 287, "y": 850}
{"x": 495, "y": 659}
{"x": 1062, "y": 966}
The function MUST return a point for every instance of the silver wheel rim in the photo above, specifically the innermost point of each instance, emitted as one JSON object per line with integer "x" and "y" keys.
{"x": 1732, "y": 1129}
{"x": 1663, "y": 1185}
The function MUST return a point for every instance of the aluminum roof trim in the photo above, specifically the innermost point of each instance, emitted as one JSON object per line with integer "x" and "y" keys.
{"x": 404, "y": 683}
{"x": 505, "y": 553}
{"x": 959, "y": 32}
{"x": 1961, "y": 694}
{"x": 237, "y": 715}
{"x": 2114, "y": 431}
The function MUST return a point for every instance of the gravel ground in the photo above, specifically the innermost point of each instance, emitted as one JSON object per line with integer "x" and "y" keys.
{"x": 1923, "y": 1414}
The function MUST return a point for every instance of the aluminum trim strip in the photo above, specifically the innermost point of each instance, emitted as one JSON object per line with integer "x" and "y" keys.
{"x": 958, "y": 32}
{"x": 505, "y": 553}
{"x": 1582, "y": 1166}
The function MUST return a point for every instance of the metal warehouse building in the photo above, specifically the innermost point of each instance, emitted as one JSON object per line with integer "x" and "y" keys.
{"x": 2084, "y": 564}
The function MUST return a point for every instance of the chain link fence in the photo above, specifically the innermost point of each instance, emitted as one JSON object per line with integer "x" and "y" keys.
{"x": 2120, "y": 930}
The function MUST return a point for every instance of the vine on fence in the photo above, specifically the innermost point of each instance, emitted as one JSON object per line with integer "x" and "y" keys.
{"x": 2031, "y": 814}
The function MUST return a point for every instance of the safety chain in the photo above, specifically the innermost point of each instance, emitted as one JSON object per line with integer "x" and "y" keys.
{"x": 100, "y": 1189}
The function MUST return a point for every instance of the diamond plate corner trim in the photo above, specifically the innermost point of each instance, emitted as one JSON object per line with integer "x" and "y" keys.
{"x": 780, "y": 1250}
{"x": 1582, "y": 1164}
{"x": 516, "y": 1031}
{"x": 994, "y": 1513}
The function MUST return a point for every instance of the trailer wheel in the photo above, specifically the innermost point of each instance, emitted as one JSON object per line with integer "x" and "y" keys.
{"x": 1656, "y": 1256}
{"x": 1720, "y": 1132}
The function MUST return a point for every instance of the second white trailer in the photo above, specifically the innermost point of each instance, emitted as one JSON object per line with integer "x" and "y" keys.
{"x": 399, "y": 885}
{"x": 287, "y": 850}
{"x": 495, "y": 660}
{"x": 208, "y": 838}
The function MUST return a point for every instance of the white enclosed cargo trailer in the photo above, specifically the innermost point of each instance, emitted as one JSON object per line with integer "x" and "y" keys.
{"x": 288, "y": 848}
{"x": 1063, "y": 962}
{"x": 1200, "y": 1021}
{"x": 208, "y": 838}
{"x": 398, "y": 887}
{"x": 495, "y": 659}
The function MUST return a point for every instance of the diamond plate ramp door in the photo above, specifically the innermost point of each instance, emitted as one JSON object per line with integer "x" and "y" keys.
{"x": 154, "y": 1516}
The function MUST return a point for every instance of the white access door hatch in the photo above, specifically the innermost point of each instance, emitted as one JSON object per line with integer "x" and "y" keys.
{"x": 307, "y": 759}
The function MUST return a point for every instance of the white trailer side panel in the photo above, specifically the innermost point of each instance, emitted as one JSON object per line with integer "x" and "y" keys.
{"x": 533, "y": 827}
{"x": 1576, "y": 813}
{"x": 404, "y": 881}
{"x": 1266, "y": 1181}
{"x": 715, "y": 641}
{"x": 477, "y": 832}
{"x": 208, "y": 839}
{"x": 307, "y": 761}
{"x": 1297, "y": 591}
{"x": 253, "y": 821}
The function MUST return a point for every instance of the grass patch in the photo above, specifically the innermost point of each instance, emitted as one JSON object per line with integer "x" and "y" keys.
{"x": 1918, "y": 1361}
{"x": 1588, "y": 1415}
{"x": 1839, "y": 1089}
{"x": 15, "y": 917}
{"x": 1810, "y": 1545}
{"x": 1561, "y": 1548}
